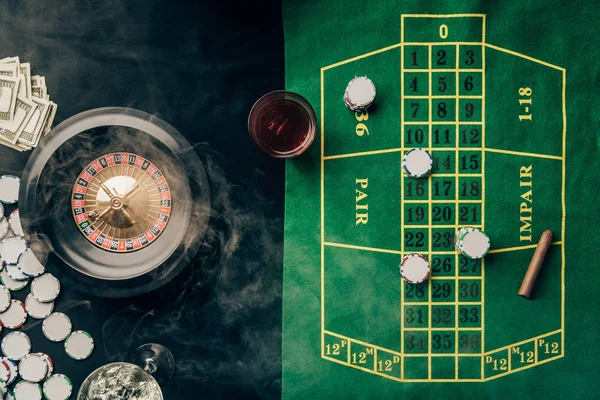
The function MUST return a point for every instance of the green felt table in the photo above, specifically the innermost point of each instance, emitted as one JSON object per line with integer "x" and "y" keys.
{"x": 468, "y": 85}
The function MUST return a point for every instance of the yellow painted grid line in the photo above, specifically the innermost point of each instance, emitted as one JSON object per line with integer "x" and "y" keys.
{"x": 446, "y": 303}
{"x": 442, "y": 226}
{"x": 443, "y": 16}
{"x": 364, "y": 153}
{"x": 446, "y": 69}
{"x": 522, "y": 153}
{"x": 445, "y": 201}
{"x": 401, "y": 281}
{"x": 442, "y": 97}
{"x": 353, "y": 247}
{"x": 362, "y": 368}
{"x": 441, "y": 44}
{"x": 440, "y": 123}
{"x": 372, "y": 53}
{"x": 322, "y": 212}
{"x": 518, "y": 248}
{"x": 514, "y": 53}
{"x": 531, "y": 339}
{"x": 448, "y": 328}
{"x": 523, "y": 368}
{"x": 483, "y": 67}
{"x": 564, "y": 207}
{"x": 430, "y": 230}
{"x": 456, "y": 219}
{"x": 349, "y": 339}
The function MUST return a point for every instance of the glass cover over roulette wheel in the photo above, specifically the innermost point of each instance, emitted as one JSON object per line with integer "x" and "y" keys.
{"x": 120, "y": 197}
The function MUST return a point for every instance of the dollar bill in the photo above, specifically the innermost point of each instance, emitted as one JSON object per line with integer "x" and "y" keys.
{"x": 37, "y": 80}
{"x": 9, "y": 70}
{"x": 25, "y": 69}
{"x": 24, "y": 109}
{"x": 39, "y": 91}
{"x": 51, "y": 115}
{"x": 34, "y": 128}
{"x": 9, "y": 89}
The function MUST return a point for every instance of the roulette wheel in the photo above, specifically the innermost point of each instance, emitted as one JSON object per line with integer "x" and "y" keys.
{"x": 120, "y": 198}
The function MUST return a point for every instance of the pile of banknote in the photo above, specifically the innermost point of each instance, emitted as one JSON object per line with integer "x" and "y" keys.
{"x": 26, "y": 112}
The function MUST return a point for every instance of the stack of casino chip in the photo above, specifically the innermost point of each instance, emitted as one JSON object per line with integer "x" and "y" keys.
{"x": 19, "y": 267}
{"x": 414, "y": 268}
{"x": 471, "y": 242}
{"x": 359, "y": 94}
{"x": 417, "y": 163}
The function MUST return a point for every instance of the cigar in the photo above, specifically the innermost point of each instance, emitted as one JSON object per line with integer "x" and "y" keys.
{"x": 536, "y": 264}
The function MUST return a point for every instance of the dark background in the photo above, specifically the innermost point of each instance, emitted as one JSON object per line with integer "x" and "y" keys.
{"x": 199, "y": 66}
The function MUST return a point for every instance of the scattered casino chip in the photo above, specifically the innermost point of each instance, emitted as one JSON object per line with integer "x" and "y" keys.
{"x": 29, "y": 265}
{"x": 12, "y": 368}
{"x": 417, "y": 163}
{"x": 45, "y": 288}
{"x": 10, "y": 283}
{"x": 37, "y": 309}
{"x": 14, "y": 222}
{"x": 4, "y": 372}
{"x": 15, "y": 316}
{"x": 27, "y": 391}
{"x": 473, "y": 243}
{"x": 48, "y": 362}
{"x": 57, "y": 327}
{"x": 1, "y": 209}
{"x": 16, "y": 345}
{"x": 58, "y": 387}
{"x": 15, "y": 272}
{"x": 33, "y": 368}
{"x": 414, "y": 268}
{"x": 3, "y": 389}
{"x": 79, "y": 345}
{"x": 4, "y": 227}
{"x": 359, "y": 94}
{"x": 9, "y": 189}
{"x": 11, "y": 249}
{"x": 5, "y": 298}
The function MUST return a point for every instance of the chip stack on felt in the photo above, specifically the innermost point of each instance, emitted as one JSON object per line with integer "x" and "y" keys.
{"x": 27, "y": 375}
{"x": 26, "y": 112}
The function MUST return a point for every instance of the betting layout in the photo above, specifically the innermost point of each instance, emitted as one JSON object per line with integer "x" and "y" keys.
{"x": 493, "y": 122}
{"x": 26, "y": 111}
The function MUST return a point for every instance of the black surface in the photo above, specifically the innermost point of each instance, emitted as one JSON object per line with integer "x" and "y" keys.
{"x": 199, "y": 66}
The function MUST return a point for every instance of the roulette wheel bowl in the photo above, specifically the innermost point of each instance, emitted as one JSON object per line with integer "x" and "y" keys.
{"x": 119, "y": 197}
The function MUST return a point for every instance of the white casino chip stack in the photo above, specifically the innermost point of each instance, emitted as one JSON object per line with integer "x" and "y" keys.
{"x": 4, "y": 227}
{"x": 29, "y": 265}
{"x": 474, "y": 244}
{"x": 360, "y": 94}
{"x": 12, "y": 367}
{"x": 57, "y": 327}
{"x": 79, "y": 345}
{"x": 9, "y": 189}
{"x": 45, "y": 288}
{"x": 414, "y": 268}
{"x": 5, "y": 299}
{"x": 16, "y": 345}
{"x": 11, "y": 249}
{"x": 37, "y": 309}
{"x": 10, "y": 283}
{"x": 33, "y": 368}
{"x": 58, "y": 387}
{"x": 417, "y": 163}
{"x": 27, "y": 391}
{"x": 15, "y": 273}
{"x": 15, "y": 316}
{"x": 14, "y": 222}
